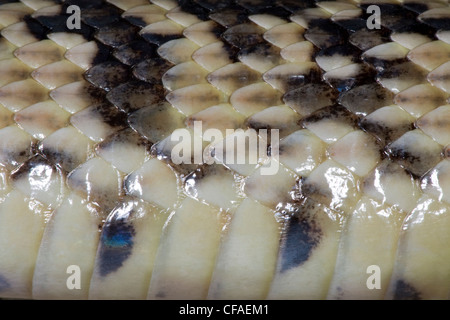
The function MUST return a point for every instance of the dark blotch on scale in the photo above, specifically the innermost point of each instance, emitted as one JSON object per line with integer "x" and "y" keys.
{"x": 310, "y": 97}
{"x": 116, "y": 242}
{"x": 231, "y": 16}
{"x": 35, "y": 28}
{"x": 126, "y": 136}
{"x": 366, "y": 39}
{"x": 152, "y": 70}
{"x": 323, "y": 33}
{"x": 345, "y": 50}
{"x": 418, "y": 28}
{"x": 265, "y": 7}
{"x": 404, "y": 291}
{"x": 117, "y": 34}
{"x": 364, "y": 75}
{"x": 383, "y": 132}
{"x": 63, "y": 160}
{"x": 99, "y": 15}
{"x": 438, "y": 23}
{"x": 406, "y": 71}
{"x": 296, "y": 5}
{"x": 191, "y": 7}
{"x": 351, "y": 24}
{"x": 214, "y": 5}
{"x": 136, "y": 94}
{"x": 86, "y": 4}
{"x": 134, "y": 52}
{"x": 366, "y": 98}
{"x": 301, "y": 235}
{"x": 108, "y": 75}
{"x": 110, "y": 115}
{"x": 263, "y": 51}
{"x": 335, "y": 113}
{"x": 416, "y": 7}
{"x": 28, "y": 167}
{"x": 244, "y": 36}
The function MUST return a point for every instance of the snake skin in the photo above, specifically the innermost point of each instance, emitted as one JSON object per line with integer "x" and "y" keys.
{"x": 360, "y": 205}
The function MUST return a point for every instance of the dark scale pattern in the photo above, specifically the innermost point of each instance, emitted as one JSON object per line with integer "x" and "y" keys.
{"x": 124, "y": 103}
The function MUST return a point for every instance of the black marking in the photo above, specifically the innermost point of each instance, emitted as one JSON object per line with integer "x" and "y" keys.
{"x": 296, "y": 5}
{"x": 285, "y": 128}
{"x": 323, "y": 33}
{"x": 334, "y": 113}
{"x": 152, "y": 70}
{"x": 86, "y": 4}
{"x": 405, "y": 291}
{"x": 291, "y": 81}
{"x": 99, "y": 15}
{"x": 345, "y": 50}
{"x": 310, "y": 98}
{"x": 159, "y": 39}
{"x": 135, "y": 94}
{"x": 111, "y": 115}
{"x": 126, "y": 136}
{"x": 135, "y": 52}
{"x": 405, "y": 71}
{"x": 95, "y": 93}
{"x": 366, "y": 98}
{"x": 191, "y": 7}
{"x": 381, "y": 64}
{"x": 438, "y": 23}
{"x": 116, "y": 241}
{"x": 241, "y": 77}
{"x": 244, "y": 35}
{"x": 419, "y": 28}
{"x": 102, "y": 55}
{"x": 231, "y": 16}
{"x": 263, "y": 51}
{"x": 214, "y": 5}
{"x": 255, "y": 6}
{"x": 231, "y": 51}
{"x": 265, "y": 7}
{"x": 192, "y": 180}
{"x": 301, "y": 236}
{"x": 163, "y": 153}
{"x": 108, "y": 75}
{"x": 383, "y": 132}
{"x": 417, "y": 162}
{"x": 117, "y": 34}
{"x": 137, "y": 21}
{"x": 27, "y": 167}
{"x": 66, "y": 161}
{"x": 342, "y": 84}
{"x": 35, "y": 28}
{"x": 351, "y": 24}
{"x": 7, "y": 1}
{"x": 366, "y": 39}
{"x": 416, "y": 7}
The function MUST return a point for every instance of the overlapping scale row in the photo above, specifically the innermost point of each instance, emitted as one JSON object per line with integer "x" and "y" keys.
{"x": 89, "y": 118}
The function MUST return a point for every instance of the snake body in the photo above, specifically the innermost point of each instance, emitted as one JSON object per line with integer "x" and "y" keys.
{"x": 93, "y": 205}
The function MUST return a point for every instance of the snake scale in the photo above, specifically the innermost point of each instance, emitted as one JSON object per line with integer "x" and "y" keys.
{"x": 93, "y": 204}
